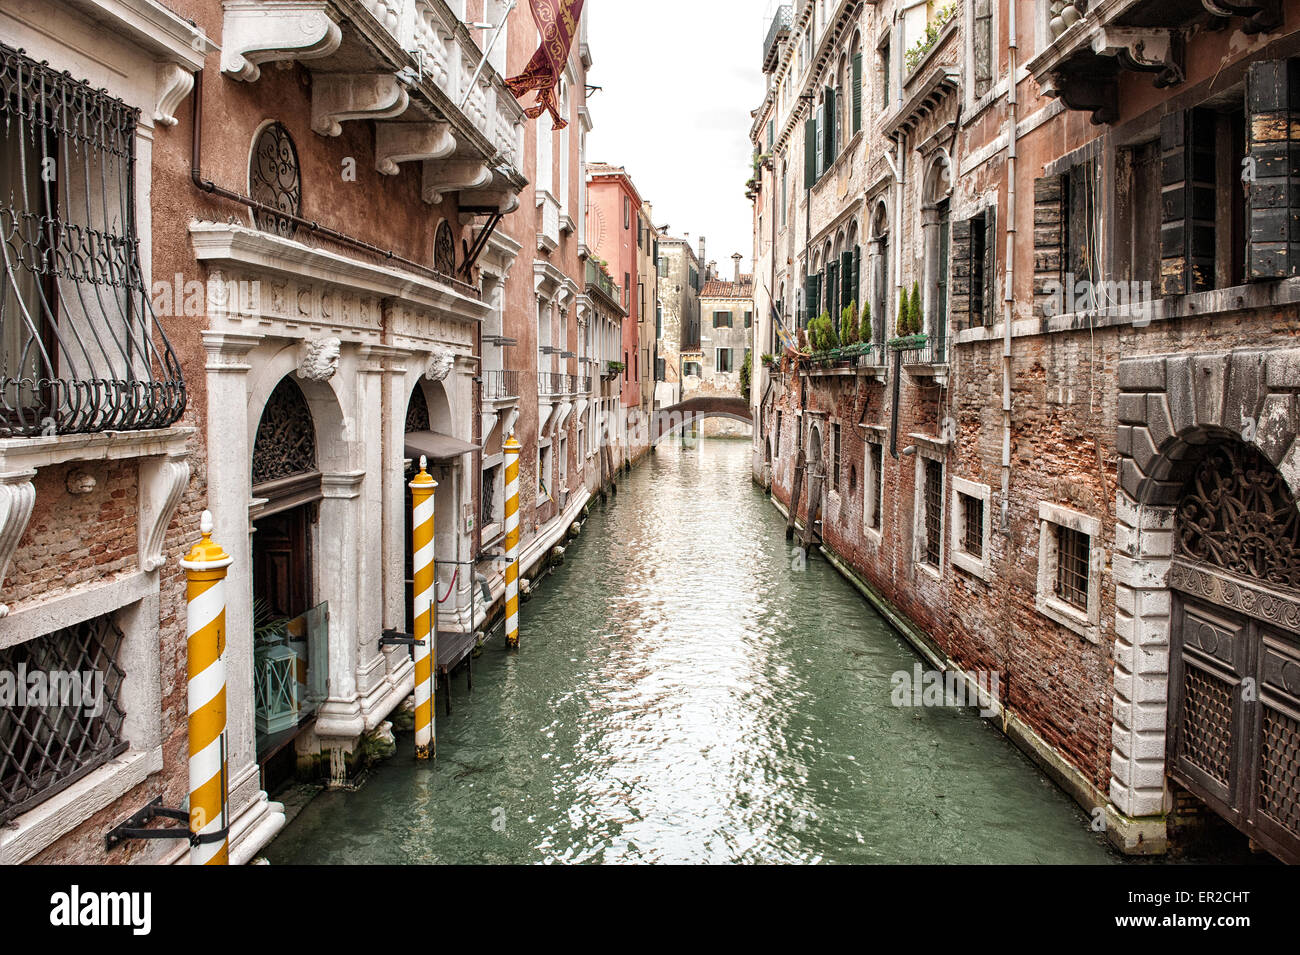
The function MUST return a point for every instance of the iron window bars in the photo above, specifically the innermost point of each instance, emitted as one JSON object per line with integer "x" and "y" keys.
{"x": 80, "y": 348}
{"x": 1072, "y": 565}
{"x": 50, "y": 740}
{"x": 972, "y": 525}
{"x": 933, "y": 512}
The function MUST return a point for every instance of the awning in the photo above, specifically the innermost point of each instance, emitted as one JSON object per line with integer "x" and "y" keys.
{"x": 435, "y": 446}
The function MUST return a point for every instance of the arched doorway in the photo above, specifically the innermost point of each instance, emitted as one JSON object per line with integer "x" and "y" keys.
{"x": 290, "y": 626}
{"x": 1234, "y": 679}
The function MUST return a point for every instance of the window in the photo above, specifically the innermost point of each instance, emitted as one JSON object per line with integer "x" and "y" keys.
{"x": 749, "y": 319}
{"x": 490, "y": 498}
{"x": 970, "y": 527}
{"x": 932, "y": 513}
{"x": 784, "y": 187}
{"x": 1069, "y": 569}
{"x": 873, "y": 488}
{"x": 627, "y": 213}
{"x": 882, "y": 75}
{"x": 835, "y": 457}
{"x": 776, "y": 436}
{"x": 691, "y": 368}
{"x": 71, "y": 312}
{"x": 973, "y": 265}
{"x": 722, "y": 360}
{"x": 543, "y": 471}
{"x": 982, "y": 47}
{"x": 627, "y": 289}
{"x": 721, "y": 319}
{"x": 52, "y": 739}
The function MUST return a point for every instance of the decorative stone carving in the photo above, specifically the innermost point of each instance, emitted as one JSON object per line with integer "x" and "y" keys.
{"x": 1145, "y": 51}
{"x": 17, "y": 496}
{"x": 174, "y": 84}
{"x": 162, "y": 483}
{"x": 411, "y": 142}
{"x": 1262, "y": 16}
{"x": 320, "y": 359}
{"x": 338, "y": 97}
{"x": 264, "y": 31}
{"x": 442, "y": 176}
{"x": 440, "y": 364}
{"x": 80, "y": 481}
{"x": 504, "y": 201}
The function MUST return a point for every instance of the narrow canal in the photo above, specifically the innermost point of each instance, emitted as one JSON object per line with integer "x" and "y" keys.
{"x": 683, "y": 694}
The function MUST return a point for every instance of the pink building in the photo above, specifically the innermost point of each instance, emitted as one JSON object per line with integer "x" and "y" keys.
{"x": 614, "y": 236}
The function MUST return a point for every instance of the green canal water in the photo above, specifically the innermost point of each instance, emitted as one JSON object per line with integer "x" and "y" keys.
{"x": 683, "y": 694}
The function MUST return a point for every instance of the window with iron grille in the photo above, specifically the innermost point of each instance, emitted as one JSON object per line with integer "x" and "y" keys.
{"x": 489, "y": 495}
{"x": 835, "y": 456}
{"x": 972, "y": 518}
{"x": 54, "y": 734}
{"x": 933, "y": 512}
{"x": 80, "y": 348}
{"x": 1072, "y": 566}
{"x": 776, "y": 436}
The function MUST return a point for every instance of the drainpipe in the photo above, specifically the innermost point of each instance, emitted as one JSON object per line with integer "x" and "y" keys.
{"x": 1008, "y": 294}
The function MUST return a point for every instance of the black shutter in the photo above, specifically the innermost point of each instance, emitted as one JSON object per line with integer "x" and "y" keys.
{"x": 857, "y": 92}
{"x": 1273, "y": 153}
{"x": 989, "y": 295}
{"x": 1049, "y": 242}
{"x": 846, "y": 279}
{"x": 857, "y": 277}
{"x": 963, "y": 274}
{"x": 1187, "y": 194}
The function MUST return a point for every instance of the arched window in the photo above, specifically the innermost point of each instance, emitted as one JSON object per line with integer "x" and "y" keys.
{"x": 936, "y": 231}
{"x": 855, "y": 84}
{"x": 286, "y": 436}
{"x": 878, "y": 268}
{"x": 275, "y": 180}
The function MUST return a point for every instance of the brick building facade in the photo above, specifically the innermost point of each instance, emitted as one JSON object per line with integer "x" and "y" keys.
{"x": 1041, "y": 471}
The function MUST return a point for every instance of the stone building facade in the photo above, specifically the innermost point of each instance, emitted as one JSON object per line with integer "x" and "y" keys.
{"x": 726, "y": 333}
{"x": 680, "y": 281}
{"x": 339, "y": 246}
{"x": 1054, "y": 483}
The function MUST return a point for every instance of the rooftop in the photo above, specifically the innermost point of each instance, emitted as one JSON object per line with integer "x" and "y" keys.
{"x": 717, "y": 288}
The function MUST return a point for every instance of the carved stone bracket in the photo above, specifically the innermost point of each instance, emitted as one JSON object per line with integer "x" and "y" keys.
{"x": 1144, "y": 51}
{"x": 439, "y": 364}
{"x": 254, "y": 32}
{"x": 174, "y": 83}
{"x": 1098, "y": 95}
{"x": 411, "y": 142}
{"x": 17, "y": 496}
{"x": 1264, "y": 16}
{"x": 442, "y": 176}
{"x": 162, "y": 484}
{"x": 505, "y": 201}
{"x": 338, "y": 97}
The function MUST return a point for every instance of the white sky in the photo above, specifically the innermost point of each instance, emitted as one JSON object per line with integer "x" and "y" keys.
{"x": 679, "y": 78}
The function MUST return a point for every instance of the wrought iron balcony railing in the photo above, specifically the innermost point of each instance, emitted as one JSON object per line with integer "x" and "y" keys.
{"x": 603, "y": 282}
{"x": 550, "y": 383}
{"x": 777, "y": 31}
{"x": 929, "y": 350}
{"x": 80, "y": 348}
{"x": 500, "y": 384}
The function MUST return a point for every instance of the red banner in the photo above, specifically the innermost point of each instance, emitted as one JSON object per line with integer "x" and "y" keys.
{"x": 557, "y": 22}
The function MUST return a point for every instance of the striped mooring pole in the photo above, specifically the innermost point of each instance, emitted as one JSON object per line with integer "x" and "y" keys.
{"x": 425, "y": 608}
{"x": 205, "y": 595}
{"x": 512, "y": 449}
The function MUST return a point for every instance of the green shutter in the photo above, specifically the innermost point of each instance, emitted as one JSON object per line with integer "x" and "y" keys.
{"x": 857, "y": 277}
{"x": 846, "y": 279}
{"x": 809, "y": 153}
{"x": 857, "y": 92}
{"x": 828, "y": 116}
{"x": 771, "y": 133}
{"x": 989, "y": 268}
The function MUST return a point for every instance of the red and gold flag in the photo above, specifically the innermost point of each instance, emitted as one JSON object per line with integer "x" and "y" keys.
{"x": 557, "y": 22}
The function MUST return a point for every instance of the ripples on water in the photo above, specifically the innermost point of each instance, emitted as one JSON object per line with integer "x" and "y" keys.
{"x": 683, "y": 695}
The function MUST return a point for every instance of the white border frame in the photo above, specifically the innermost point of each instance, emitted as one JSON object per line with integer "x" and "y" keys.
{"x": 979, "y": 566}
{"x": 1086, "y": 624}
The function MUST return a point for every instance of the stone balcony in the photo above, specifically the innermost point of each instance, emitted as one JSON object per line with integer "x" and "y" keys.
{"x": 1091, "y": 42}
{"x": 413, "y": 67}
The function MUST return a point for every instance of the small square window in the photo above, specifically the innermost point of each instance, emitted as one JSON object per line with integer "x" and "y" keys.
{"x": 1072, "y": 549}
{"x": 1069, "y": 569}
{"x": 972, "y": 512}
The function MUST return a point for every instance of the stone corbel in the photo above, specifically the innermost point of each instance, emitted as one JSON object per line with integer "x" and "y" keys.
{"x": 1097, "y": 95}
{"x": 254, "y": 32}
{"x": 17, "y": 495}
{"x": 338, "y": 97}
{"x": 505, "y": 201}
{"x": 442, "y": 176}
{"x": 1144, "y": 51}
{"x": 162, "y": 484}
{"x": 1264, "y": 16}
{"x": 411, "y": 142}
{"x": 174, "y": 83}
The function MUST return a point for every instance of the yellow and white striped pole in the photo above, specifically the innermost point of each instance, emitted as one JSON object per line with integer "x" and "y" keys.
{"x": 425, "y": 608}
{"x": 205, "y": 594}
{"x": 512, "y": 449}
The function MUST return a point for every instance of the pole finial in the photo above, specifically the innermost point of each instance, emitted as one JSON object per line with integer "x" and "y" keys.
{"x": 205, "y": 523}
{"x": 424, "y": 462}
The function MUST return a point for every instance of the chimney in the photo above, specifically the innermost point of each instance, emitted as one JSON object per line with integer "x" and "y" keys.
{"x": 702, "y": 259}
{"x": 735, "y": 257}
{"x": 712, "y": 271}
